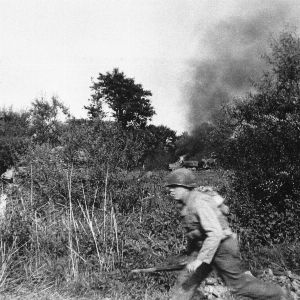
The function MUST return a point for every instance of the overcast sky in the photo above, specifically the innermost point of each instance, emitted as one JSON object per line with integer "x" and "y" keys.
{"x": 55, "y": 47}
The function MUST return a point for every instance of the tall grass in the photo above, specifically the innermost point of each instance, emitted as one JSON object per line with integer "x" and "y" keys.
{"x": 82, "y": 247}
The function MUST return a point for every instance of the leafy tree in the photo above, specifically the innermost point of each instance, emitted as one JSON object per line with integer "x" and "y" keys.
{"x": 128, "y": 101}
{"x": 47, "y": 120}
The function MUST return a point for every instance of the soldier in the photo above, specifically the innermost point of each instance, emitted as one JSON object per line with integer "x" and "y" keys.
{"x": 211, "y": 244}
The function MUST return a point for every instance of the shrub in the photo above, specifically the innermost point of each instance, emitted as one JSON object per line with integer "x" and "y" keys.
{"x": 262, "y": 149}
{"x": 93, "y": 159}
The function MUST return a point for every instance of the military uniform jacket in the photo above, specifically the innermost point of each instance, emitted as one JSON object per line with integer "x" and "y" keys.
{"x": 205, "y": 225}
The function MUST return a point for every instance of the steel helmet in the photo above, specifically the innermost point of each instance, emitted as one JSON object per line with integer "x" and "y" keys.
{"x": 181, "y": 177}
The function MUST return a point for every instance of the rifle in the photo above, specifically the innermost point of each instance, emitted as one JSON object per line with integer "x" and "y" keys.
{"x": 176, "y": 264}
{"x": 160, "y": 269}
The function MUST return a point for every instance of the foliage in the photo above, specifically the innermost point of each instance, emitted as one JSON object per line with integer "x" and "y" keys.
{"x": 63, "y": 243}
{"x": 96, "y": 156}
{"x": 263, "y": 148}
{"x": 279, "y": 257}
{"x": 85, "y": 249}
{"x": 14, "y": 137}
{"x": 18, "y": 130}
{"x": 197, "y": 144}
{"x": 46, "y": 120}
{"x": 128, "y": 101}
{"x": 159, "y": 142}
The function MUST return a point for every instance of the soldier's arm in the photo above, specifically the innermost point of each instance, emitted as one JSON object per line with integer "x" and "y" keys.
{"x": 209, "y": 222}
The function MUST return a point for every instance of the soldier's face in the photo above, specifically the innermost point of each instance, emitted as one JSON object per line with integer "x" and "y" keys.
{"x": 179, "y": 194}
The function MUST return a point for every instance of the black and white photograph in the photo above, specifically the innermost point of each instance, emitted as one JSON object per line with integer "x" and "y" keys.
{"x": 149, "y": 149}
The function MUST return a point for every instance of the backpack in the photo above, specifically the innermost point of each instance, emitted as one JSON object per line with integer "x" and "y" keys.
{"x": 215, "y": 199}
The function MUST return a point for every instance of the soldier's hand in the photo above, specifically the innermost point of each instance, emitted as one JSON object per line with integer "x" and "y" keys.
{"x": 194, "y": 265}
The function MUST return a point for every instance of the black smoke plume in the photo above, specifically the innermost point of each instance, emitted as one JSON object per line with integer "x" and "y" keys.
{"x": 234, "y": 48}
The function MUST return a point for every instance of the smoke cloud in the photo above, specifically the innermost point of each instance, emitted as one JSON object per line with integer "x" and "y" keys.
{"x": 234, "y": 48}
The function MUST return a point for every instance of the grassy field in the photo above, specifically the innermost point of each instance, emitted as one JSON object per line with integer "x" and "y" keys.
{"x": 81, "y": 252}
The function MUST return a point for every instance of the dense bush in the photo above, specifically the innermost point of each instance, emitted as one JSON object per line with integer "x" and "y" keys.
{"x": 14, "y": 137}
{"x": 159, "y": 149}
{"x": 263, "y": 149}
{"x": 92, "y": 160}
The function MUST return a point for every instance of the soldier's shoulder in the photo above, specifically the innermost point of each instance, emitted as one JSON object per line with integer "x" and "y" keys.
{"x": 200, "y": 196}
{"x": 197, "y": 199}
